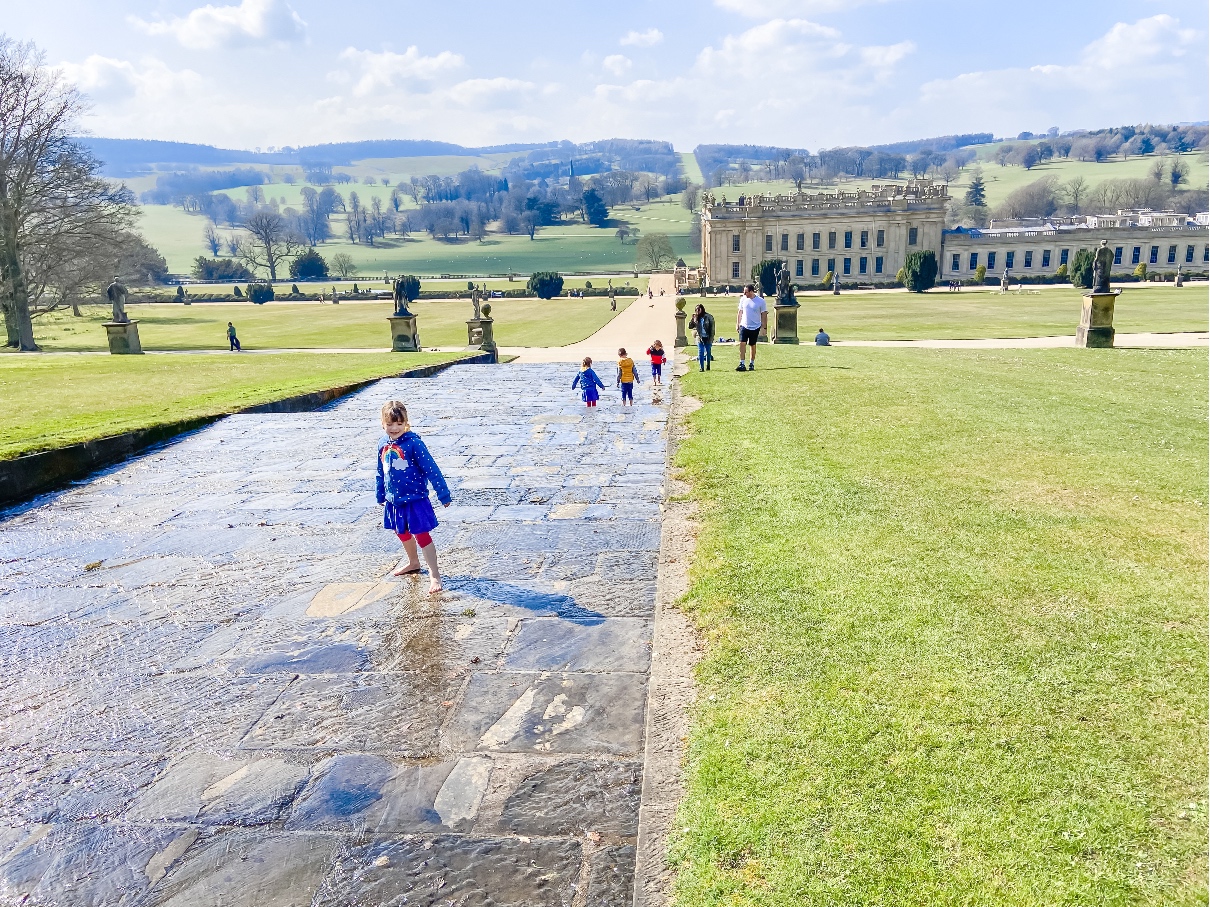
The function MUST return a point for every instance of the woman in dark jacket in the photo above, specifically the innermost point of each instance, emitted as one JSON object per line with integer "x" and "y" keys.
{"x": 702, "y": 323}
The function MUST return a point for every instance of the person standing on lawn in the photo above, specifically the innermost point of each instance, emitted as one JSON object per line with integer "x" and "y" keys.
{"x": 702, "y": 324}
{"x": 750, "y": 320}
{"x": 232, "y": 340}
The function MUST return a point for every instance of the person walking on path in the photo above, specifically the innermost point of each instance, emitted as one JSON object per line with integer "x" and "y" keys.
{"x": 405, "y": 470}
{"x": 627, "y": 376}
{"x": 750, "y": 320}
{"x": 656, "y": 352}
{"x": 589, "y": 383}
{"x": 822, "y": 338}
{"x": 702, "y": 324}
{"x": 232, "y": 340}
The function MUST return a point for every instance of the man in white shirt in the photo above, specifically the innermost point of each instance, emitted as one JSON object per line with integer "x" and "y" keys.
{"x": 750, "y": 320}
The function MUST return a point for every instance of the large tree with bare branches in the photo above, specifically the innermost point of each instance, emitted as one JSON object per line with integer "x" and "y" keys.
{"x": 54, "y": 204}
{"x": 271, "y": 242}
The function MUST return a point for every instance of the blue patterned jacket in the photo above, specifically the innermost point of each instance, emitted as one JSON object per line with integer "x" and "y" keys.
{"x": 404, "y": 468}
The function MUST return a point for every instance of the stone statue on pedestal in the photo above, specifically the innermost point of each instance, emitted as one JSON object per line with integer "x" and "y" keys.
{"x": 401, "y": 299}
{"x": 835, "y": 283}
{"x": 1004, "y": 281}
{"x": 1180, "y": 278}
{"x": 116, "y": 294}
{"x": 476, "y": 299}
{"x": 785, "y": 290}
{"x": 1102, "y": 261}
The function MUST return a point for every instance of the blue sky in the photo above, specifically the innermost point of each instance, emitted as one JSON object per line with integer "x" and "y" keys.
{"x": 804, "y": 73}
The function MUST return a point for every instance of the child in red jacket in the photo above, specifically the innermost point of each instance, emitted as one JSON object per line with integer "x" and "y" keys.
{"x": 656, "y": 352}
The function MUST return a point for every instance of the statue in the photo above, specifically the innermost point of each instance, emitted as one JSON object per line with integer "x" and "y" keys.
{"x": 835, "y": 283}
{"x": 401, "y": 298}
{"x": 116, "y": 293}
{"x": 1004, "y": 280}
{"x": 476, "y": 299}
{"x": 613, "y": 299}
{"x": 1102, "y": 261}
{"x": 1180, "y": 278}
{"x": 785, "y": 290}
{"x": 701, "y": 283}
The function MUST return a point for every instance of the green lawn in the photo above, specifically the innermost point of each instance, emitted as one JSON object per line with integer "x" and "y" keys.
{"x": 954, "y": 609}
{"x": 1000, "y": 181}
{"x": 350, "y": 325}
{"x": 52, "y": 401}
{"x": 940, "y": 315}
{"x": 573, "y": 247}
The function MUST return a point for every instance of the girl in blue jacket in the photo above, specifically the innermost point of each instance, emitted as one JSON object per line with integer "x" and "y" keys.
{"x": 405, "y": 470}
{"x": 588, "y": 381}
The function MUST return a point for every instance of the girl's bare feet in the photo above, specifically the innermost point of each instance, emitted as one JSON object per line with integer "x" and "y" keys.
{"x": 435, "y": 586}
{"x": 404, "y": 568}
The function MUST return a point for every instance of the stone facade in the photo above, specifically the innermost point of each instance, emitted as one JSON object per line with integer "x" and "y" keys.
{"x": 1039, "y": 251}
{"x": 863, "y": 236}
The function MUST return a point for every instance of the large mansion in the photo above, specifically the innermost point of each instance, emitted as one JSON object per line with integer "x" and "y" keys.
{"x": 864, "y": 237}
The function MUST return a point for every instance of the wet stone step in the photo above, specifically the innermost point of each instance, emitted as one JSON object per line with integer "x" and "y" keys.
{"x": 214, "y": 692}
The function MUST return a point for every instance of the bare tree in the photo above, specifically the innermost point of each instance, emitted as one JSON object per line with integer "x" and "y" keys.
{"x": 655, "y": 252}
{"x": 271, "y": 243}
{"x": 213, "y": 241}
{"x": 342, "y": 264}
{"x": 1075, "y": 191}
{"x": 53, "y": 201}
{"x": 689, "y": 197}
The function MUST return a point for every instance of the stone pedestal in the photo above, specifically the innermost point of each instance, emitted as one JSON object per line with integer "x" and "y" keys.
{"x": 123, "y": 338}
{"x": 785, "y": 324}
{"x": 404, "y": 336}
{"x": 479, "y": 335}
{"x": 681, "y": 338}
{"x": 1096, "y": 321}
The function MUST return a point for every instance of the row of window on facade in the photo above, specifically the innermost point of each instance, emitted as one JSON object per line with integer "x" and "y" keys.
{"x": 800, "y": 240}
{"x": 1136, "y": 257}
{"x": 863, "y": 266}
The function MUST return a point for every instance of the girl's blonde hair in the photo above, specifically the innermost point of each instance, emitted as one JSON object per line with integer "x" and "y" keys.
{"x": 658, "y": 345}
{"x": 395, "y": 411}
{"x": 587, "y": 361}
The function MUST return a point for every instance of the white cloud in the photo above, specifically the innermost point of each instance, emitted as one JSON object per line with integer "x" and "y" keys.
{"x": 106, "y": 80}
{"x": 767, "y": 9}
{"x": 649, "y": 38}
{"x": 252, "y": 22}
{"x": 616, "y": 64}
{"x": 1136, "y": 71}
{"x": 374, "y": 71}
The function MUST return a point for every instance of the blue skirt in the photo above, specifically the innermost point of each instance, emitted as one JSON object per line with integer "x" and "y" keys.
{"x": 409, "y": 516}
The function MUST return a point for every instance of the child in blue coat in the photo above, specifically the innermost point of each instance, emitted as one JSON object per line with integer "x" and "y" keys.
{"x": 588, "y": 381}
{"x": 405, "y": 470}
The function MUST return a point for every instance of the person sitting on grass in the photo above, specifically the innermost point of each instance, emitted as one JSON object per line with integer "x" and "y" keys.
{"x": 822, "y": 338}
{"x": 405, "y": 470}
{"x": 588, "y": 381}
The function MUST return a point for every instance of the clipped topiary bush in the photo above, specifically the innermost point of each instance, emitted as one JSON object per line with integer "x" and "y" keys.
{"x": 260, "y": 292}
{"x": 980, "y": 275}
{"x": 764, "y": 275}
{"x": 920, "y": 271}
{"x": 545, "y": 284}
{"x": 1081, "y": 268}
{"x": 309, "y": 266}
